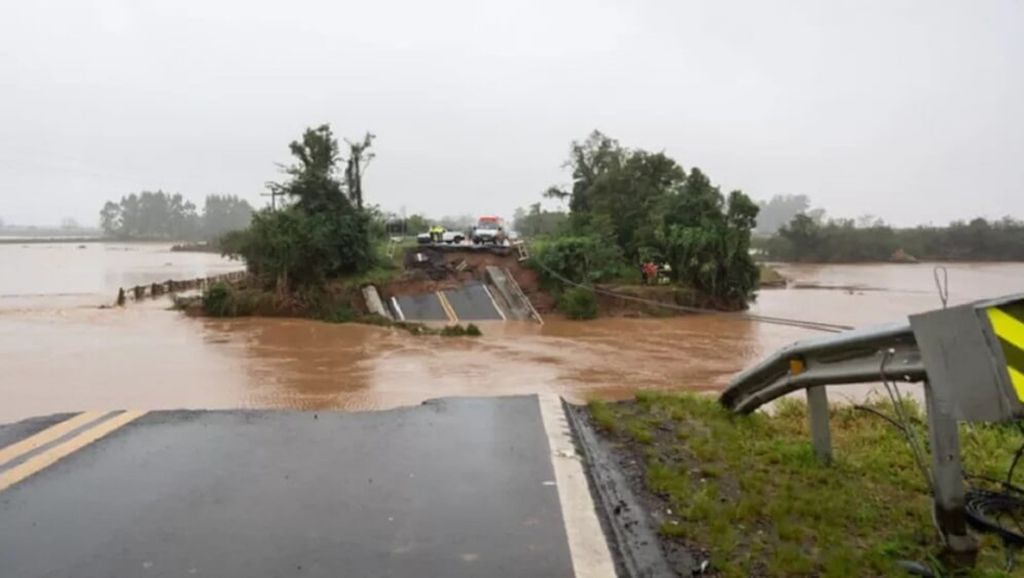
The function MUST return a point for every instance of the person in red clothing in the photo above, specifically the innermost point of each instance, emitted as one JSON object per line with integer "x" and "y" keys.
{"x": 650, "y": 273}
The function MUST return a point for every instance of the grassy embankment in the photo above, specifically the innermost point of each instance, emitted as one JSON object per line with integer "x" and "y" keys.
{"x": 748, "y": 489}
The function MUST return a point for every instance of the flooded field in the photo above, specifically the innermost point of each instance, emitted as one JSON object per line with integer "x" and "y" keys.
{"x": 59, "y": 351}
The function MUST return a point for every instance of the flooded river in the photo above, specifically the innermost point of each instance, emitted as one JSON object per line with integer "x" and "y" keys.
{"x": 59, "y": 351}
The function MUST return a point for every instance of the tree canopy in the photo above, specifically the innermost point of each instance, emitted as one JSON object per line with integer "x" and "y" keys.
{"x": 321, "y": 234}
{"x": 647, "y": 205}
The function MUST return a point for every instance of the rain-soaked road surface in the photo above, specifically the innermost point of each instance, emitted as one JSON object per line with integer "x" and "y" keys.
{"x": 454, "y": 488}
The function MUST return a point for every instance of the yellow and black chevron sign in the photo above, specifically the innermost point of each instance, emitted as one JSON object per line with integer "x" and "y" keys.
{"x": 1008, "y": 324}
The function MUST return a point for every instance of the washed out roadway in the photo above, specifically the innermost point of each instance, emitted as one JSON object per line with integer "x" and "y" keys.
{"x": 458, "y": 487}
{"x": 425, "y": 307}
{"x": 472, "y": 303}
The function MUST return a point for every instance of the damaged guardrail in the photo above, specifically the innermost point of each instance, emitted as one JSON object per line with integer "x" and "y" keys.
{"x": 970, "y": 359}
{"x": 851, "y": 357}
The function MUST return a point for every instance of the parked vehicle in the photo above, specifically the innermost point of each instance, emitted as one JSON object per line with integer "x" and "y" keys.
{"x": 489, "y": 230}
{"x": 447, "y": 237}
{"x": 451, "y": 237}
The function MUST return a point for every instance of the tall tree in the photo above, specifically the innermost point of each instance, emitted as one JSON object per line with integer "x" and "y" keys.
{"x": 314, "y": 186}
{"x": 780, "y": 210}
{"x": 358, "y": 160}
{"x": 150, "y": 215}
{"x": 110, "y": 218}
{"x": 321, "y": 235}
{"x": 224, "y": 213}
{"x": 626, "y": 188}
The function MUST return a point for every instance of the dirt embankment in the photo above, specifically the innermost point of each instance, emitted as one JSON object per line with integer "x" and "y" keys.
{"x": 429, "y": 269}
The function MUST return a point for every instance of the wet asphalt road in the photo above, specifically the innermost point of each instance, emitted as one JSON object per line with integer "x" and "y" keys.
{"x": 469, "y": 303}
{"x": 472, "y": 303}
{"x": 451, "y": 488}
{"x": 425, "y": 307}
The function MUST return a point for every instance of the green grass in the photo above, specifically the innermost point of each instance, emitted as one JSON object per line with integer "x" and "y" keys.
{"x": 379, "y": 276}
{"x": 750, "y": 490}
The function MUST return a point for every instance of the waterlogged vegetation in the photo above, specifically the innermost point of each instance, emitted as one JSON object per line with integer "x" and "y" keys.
{"x": 311, "y": 251}
{"x": 630, "y": 206}
{"x": 227, "y": 300}
{"x": 577, "y": 303}
{"x": 749, "y": 490}
{"x": 322, "y": 232}
{"x": 311, "y": 256}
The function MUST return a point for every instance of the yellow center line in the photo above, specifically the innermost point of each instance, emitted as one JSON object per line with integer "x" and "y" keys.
{"x": 45, "y": 459}
{"x": 46, "y": 436}
{"x": 448, "y": 309}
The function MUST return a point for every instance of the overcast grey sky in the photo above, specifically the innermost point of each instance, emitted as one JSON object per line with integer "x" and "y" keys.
{"x": 913, "y": 110}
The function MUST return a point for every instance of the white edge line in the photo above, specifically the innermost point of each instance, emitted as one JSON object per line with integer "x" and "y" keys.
{"x": 398, "y": 309}
{"x": 495, "y": 303}
{"x": 588, "y": 547}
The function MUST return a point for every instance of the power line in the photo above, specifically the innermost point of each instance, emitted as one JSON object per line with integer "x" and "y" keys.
{"x": 800, "y": 323}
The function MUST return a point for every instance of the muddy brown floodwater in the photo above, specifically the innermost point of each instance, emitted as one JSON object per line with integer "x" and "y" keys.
{"x": 60, "y": 352}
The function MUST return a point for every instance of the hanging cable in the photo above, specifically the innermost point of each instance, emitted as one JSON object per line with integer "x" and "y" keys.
{"x": 941, "y": 284}
{"x": 903, "y": 420}
{"x": 811, "y": 325}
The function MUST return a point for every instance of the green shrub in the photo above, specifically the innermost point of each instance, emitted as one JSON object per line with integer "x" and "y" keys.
{"x": 293, "y": 248}
{"x": 223, "y": 300}
{"x": 578, "y": 303}
{"x": 583, "y": 259}
{"x": 460, "y": 331}
{"x": 337, "y": 314}
{"x": 218, "y": 301}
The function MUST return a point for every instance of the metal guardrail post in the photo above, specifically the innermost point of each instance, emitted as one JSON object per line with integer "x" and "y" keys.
{"x": 948, "y": 481}
{"x": 817, "y": 413}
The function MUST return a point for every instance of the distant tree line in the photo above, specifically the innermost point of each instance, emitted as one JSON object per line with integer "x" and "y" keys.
{"x": 159, "y": 215}
{"x": 537, "y": 222}
{"x": 806, "y": 239}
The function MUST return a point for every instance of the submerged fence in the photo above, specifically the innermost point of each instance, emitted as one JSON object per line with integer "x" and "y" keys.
{"x": 154, "y": 290}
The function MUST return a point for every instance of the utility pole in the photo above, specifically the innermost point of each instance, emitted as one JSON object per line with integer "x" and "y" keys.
{"x": 275, "y": 192}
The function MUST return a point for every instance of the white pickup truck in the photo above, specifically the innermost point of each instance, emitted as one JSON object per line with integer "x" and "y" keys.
{"x": 449, "y": 237}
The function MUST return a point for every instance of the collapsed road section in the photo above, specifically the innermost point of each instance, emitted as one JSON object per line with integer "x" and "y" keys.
{"x": 454, "y": 487}
{"x": 456, "y": 284}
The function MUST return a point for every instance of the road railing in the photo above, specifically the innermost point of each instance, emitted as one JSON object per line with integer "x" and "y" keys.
{"x": 970, "y": 359}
